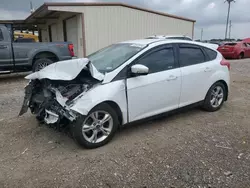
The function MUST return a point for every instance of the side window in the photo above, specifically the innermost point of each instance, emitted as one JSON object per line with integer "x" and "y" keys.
{"x": 1, "y": 35}
{"x": 190, "y": 56}
{"x": 244, "y": 45}
{"x": 158, "y": 61}
{"x": 210, "y": 53}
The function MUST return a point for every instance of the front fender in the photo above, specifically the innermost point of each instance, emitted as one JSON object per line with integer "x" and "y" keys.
{"x": 114, "y": 91}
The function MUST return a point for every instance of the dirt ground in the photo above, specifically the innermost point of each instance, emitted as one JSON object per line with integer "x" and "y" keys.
{"x": 189, "y": 149}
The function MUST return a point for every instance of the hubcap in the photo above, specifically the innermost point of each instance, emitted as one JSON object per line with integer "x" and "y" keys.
{"x": 97, "y": 126}
{"x": 217, "y": 97}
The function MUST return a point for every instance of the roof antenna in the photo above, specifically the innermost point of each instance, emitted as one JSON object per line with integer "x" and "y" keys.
{"x": 31, "y": 8}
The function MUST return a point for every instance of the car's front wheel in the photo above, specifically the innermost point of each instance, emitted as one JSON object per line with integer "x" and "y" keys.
{"x": 215, "y": 97}
{"x": 97, "y": 128}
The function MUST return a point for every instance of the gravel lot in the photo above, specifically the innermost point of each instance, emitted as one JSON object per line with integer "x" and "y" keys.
{"x": 189, "y": 149}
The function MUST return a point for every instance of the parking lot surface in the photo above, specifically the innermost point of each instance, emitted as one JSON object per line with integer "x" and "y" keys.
{"x": 189, "y": 149}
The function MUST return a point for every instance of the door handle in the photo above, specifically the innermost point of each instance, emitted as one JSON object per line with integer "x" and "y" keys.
{"x": 3, "y": 47}
{"x": 172, "y": 77}
{"x": 207, "y": 69}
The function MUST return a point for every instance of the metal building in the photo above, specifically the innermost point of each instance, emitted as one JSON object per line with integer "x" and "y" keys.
{"x": 92, "y": 26}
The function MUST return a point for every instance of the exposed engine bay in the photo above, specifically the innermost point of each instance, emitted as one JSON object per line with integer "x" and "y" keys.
{"x": 50, "y": 100}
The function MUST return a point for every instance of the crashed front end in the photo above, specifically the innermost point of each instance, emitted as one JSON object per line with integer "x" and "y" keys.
{"x": 52, "y": 91}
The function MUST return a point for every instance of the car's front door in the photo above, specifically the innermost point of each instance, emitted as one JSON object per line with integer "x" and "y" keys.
{"x": 157, "y": 92}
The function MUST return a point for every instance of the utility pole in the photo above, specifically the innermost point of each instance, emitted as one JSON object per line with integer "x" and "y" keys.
{"x": 31, "y": 7}
{"x": 230, "y": 28}
{"x": 201, "y": 33}
{"x": 228, "y": 13}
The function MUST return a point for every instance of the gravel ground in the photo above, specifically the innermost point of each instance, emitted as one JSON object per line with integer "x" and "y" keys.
{"x": 189, "y": 149}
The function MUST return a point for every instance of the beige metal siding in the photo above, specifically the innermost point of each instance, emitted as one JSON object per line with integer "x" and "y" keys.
{"x": 105, "y": 25}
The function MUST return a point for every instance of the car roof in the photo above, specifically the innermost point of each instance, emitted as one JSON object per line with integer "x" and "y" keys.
{"x": 142, "y": 41}
{"x": 168, "y": 36}
{"x": 167, "y": 41}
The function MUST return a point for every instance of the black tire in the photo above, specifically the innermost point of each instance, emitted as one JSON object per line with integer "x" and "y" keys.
{"x": 76, "y": 128}
{"x": 241, "y": 56}
{"x": 39, "y": 62}
{"x": 207, "y": 103}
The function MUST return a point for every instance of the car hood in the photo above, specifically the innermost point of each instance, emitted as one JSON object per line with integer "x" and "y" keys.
{"x": 66, "y": 70}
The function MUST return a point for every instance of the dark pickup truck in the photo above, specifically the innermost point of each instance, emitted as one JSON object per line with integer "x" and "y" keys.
{"x": 27, "y": 56}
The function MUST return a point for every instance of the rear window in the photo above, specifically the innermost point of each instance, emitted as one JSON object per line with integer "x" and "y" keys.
{"x": 210, "y": 53}
{"x": 230, "y": 44}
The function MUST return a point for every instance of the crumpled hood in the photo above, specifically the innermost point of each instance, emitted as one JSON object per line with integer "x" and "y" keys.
{"x": 66, "y": 70}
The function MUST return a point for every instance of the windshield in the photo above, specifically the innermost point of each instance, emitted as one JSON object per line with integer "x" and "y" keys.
{"x": 111, "y": 57}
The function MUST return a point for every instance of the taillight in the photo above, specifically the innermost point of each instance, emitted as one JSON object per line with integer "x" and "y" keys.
{"x": 225, "y": 63}
{"x": 71, "y": 50}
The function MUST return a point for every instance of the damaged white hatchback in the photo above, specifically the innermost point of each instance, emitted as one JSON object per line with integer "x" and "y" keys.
{"x": 126, "y": 82}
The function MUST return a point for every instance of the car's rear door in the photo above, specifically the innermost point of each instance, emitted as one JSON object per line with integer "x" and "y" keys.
{"x": 247, "y": 49}
{"x": 196, "y": 69}
{"x": 159, "y": 91}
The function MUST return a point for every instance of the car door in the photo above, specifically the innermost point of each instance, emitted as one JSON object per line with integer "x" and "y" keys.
{"x": 157, "y": 92}
{"x": 5, "y": 49}
{"x": 195, "y": 73}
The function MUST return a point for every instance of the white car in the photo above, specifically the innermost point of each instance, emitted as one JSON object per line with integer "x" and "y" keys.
{"x": 176, "y": 37}
{"x": 126, "y": 82}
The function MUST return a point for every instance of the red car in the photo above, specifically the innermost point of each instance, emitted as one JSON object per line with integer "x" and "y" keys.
{"x": 235, "y": 50}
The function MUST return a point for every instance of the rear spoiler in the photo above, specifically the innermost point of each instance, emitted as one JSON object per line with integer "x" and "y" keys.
{"x": 210, "y": 45}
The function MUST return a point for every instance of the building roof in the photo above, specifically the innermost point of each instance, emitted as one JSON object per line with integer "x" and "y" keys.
{"x": 46, "y": 5}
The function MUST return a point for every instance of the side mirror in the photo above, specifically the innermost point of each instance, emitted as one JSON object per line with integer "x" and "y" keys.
{"x": 139, "y": 69}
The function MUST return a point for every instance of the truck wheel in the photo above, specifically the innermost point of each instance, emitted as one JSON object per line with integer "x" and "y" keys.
{"x": 97, "y": 128}
{"x": 39, "y": 64}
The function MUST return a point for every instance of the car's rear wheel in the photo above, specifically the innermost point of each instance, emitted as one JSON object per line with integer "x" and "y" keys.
{"x": 215, "y": 97}
{"x": 39, "y": 64}
{"x": 241, "y": 56}
{"x": 97, "y": 128}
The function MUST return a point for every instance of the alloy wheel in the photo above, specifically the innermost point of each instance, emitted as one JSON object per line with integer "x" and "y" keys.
{"x": 217, "y": 97}
{"x": 97, "y": 126}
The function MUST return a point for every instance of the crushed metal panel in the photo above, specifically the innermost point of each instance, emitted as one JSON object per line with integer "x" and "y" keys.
{"x": 65, "y": 70}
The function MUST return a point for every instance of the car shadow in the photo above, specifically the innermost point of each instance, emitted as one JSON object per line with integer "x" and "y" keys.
{"x": 159, "y": 119}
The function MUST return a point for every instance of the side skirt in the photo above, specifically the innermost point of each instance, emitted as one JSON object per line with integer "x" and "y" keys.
{"x": 165, "y": 114}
